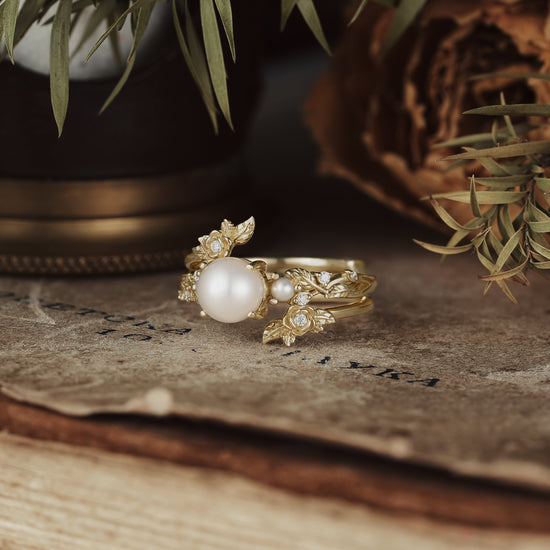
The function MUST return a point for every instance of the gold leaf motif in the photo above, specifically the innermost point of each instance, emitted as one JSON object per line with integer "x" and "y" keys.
{"x": 273, "y": 331}
{"x": 297, "y": 322}
{"x": 288, "y": 338}
{"x": 261, "y": 312}
{"x": 241, "y": 233}
{"x": 303, "y": 279}
{"x": 214, "y": 246}
{"x": 322, "y": 318}
{"x": 187, "y": 292}
{"x": 220, "y": 244}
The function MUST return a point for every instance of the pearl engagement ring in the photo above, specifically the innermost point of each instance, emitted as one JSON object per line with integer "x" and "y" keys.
{"x": 234, "y": 289}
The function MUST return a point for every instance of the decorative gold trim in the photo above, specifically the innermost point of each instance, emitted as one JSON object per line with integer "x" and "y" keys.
{"x": 117, "y": 197}
{"x": 91, "y": 265}
{"x": 313, "y": 279}
{"x": 112, "y": 226}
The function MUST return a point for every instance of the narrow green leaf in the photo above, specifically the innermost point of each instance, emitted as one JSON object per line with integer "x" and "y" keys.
{"x": 214, "y": 56}
{"x": 518, "y": 109}
{"x": 484, "y": 260}
{"x": 538, "y": 76}
{"x": 494, "y": 139}
{"x": 9, "y": 23}
{"x": 402, "y": 19}
{"x": 541, "y": 265}
{"x": 495, "y": 243}
{"x": 505, "y": 151}
{"x": 508, "y": 120}
{"x": 198, "y": 68}
{"x": 543, "y": 184}
{"x": 542, "y": 250}
{"x": 493, "y": 167}
{"x": 286, "y": 9}
{"x": 473, "y": 139}
{"x": 449, "y": 220}
{"x": 540, "y": 227}
{"x": 505, "y": 225}
{"x": 358, "y": 11}
{"x": 474, "y": 204}
{"x": 59, "y": 62}
{"x": 76, "y": 8}
{"x": 114, "y": 41}
{"x": 483, "y": 197}
{"x": 134, "y": 7}
{"x": 1, "y": 30}
{"x": 28, "y": 14}
{"x": 143, "y": 16}
{"x": 507, "y": 292}
{"x": 98, "y": 16}
{"x": 438, "y": 249}
{"x": 457, "y": 237}
{"x": 507, "y": 250}
{"x": 478, "y": 240}
{"x": 226, "y": 15}
{"x": 501, "y": 275}
{"x": 490, "y": 266}
{"x": 536, "y": 214}
{"x": 309, "y": 13}
{"x": 504, "y": 182}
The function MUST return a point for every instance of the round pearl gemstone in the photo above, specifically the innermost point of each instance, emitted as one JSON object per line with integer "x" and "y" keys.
{"x": 282, "y": 289}
{"x": 228, "y": 290}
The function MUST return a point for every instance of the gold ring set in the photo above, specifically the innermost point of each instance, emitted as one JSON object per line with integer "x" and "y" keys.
{"x": 232, "y": 289}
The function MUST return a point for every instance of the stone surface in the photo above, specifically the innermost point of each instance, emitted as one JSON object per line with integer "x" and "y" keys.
{"x": 435, "y": 374}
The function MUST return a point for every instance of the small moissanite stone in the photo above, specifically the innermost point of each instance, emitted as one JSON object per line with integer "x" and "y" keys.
{"x": 302, "y": 299}
{"x": 300, "y": 320}
{"x": 216, "y": 246}
{"x": 324, "y": 277}
{"x": 353, "y": 275}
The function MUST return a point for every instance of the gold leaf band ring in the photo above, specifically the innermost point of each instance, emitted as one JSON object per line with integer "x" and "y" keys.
{"x": 232, "y": 289}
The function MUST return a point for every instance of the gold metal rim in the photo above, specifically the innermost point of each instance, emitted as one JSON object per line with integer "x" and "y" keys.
{"x": 112, "y": 198}
{"x": 91, "y": 265}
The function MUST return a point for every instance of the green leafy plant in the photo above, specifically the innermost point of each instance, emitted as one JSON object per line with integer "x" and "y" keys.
{"x": 203, "y": 49}
{"x": 510, "y": 227}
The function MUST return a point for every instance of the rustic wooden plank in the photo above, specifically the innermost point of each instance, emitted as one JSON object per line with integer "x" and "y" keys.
{"x": 299, "y": 465}
{"x": 58, "y": 496}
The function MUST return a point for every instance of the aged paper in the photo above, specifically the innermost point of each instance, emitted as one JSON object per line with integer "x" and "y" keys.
{"x": 437, "y": 374}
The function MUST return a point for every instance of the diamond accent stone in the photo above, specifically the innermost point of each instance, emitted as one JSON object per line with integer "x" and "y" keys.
{"x": 353, "y": 276}
{"x": 197, "y": 274}
{"x": 324, "y": 277}
{"x": 302, "y": 299}
{"x": 300, "y": 320}
{"x": 187, "y": 296}
{"x": 216, "y": 246}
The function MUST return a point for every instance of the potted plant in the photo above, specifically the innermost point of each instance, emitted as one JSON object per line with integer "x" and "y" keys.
{"x": 174, "y": 83}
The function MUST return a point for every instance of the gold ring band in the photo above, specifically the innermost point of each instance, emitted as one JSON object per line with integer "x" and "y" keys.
{"x": 233, "y": 289}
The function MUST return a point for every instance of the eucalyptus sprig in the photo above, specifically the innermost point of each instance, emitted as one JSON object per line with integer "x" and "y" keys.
{"x": 510, "y": 228}
{"x": 202, "y": 49}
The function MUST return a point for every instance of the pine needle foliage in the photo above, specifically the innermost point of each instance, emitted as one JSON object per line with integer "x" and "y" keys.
{"x": 202, "y": 45}
{"x": 509, "y": 232}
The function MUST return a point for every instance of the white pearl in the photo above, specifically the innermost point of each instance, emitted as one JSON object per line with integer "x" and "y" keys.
{"x": 228, "y": 290}
{"x": 282, "y": 289}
